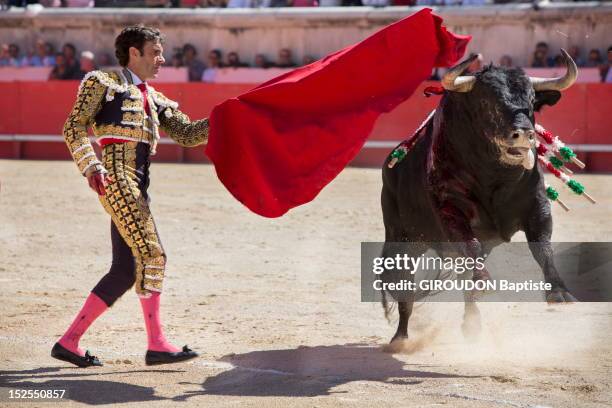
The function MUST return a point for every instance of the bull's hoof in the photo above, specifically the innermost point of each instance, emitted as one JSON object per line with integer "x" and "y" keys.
{"x": 560, "y": 296}
{"x": 398, "y": 344}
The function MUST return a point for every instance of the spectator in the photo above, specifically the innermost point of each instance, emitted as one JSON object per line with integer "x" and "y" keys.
{"x": 44, "y": 56}
{"x": 375, "y": 3}
{"x": 105, "y": 60}
{"x": 595, "y": 59}
{"x": 78, "y": 3}
{"x": 10, "y": 56}
{"x": 540, "y": 56}
{"x": 195, "y": 66}
{"x": 213, "y": 3}
{"x": 72, "y": 65}
{"x": 87, "y": 63}
{"x": 61, "y": 70}
{"x": 188, "y": 3}
{"x": 4, "y": 55}
{"x": 214, "y": 59}
{"x": 21, "y": 3}
{"x": 177, "y": 59}
{"x": 262, "y": 62}
{"x": 305, "y": 3}
{"x": 239, "y": 4}
{"x": 505, "y": 61}
{"x": 233, "y": 60}
{"x": 606, "y": 72}
{"x": 308, "y": 59}
{"x": 574, "y": 52}
{"x": 351, "y": 3}
{"x": 558, "y": 61}
{"x": 214, "y": 63}
{"x": 285, "y": 60}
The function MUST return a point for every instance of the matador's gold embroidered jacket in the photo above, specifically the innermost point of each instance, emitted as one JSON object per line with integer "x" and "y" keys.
{"x": 114, "y": 108}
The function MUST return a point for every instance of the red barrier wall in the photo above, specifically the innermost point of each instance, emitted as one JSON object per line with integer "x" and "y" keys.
{"x": 584, "y": 115}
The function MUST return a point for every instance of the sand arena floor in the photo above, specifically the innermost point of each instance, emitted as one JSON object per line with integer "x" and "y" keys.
{"x": 273, "y": 305}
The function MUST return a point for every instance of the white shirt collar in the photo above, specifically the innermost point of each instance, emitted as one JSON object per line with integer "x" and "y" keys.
{"x": 135, "y": 78}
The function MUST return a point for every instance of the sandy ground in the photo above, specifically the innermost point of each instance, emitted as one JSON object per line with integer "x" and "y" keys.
{"x": 273, "y": 305}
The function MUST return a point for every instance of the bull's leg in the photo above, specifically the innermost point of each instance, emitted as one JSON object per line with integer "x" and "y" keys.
{"x": 404, "y": 298}
{"x": 458, "y": 230}
{"x": 538, "y": 229}
{"x": 404, "y": 309}
{"x": 471, "y": 326}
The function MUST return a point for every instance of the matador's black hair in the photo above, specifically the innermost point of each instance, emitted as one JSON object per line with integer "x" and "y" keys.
{"x": 134, "y": 36}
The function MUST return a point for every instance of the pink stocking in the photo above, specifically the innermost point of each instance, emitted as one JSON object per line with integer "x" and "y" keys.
{"x": 155, "y": 334}
{"x": 92, "y": 309}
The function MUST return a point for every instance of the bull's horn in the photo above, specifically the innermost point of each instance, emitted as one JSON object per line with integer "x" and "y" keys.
{"x": 452, "y": 81}
{"x": 561, "y": 83}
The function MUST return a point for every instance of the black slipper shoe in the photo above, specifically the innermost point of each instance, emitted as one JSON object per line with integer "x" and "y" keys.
{"x": 166, "y": 357}
{"x": 61, "y": 353}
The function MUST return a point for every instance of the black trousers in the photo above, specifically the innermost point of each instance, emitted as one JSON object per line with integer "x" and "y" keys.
{"x": 122, "y": 274}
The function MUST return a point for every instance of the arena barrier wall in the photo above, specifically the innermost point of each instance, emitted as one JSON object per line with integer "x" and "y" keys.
{"x": 32, "y": 115}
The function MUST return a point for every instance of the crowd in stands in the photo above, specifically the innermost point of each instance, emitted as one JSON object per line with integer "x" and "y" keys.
{"x": 250, "y": 3}
{"x": 187, "y": 56}
{"x": 68, "y": 64}
{"x": 541, "y": 58}
{"x": 65, "y": 63}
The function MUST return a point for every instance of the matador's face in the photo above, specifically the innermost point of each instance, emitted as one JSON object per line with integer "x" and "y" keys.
{"x": 147, "y": 64}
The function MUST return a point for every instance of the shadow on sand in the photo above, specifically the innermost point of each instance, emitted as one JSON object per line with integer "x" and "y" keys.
{"x": 298, "y": 372}
{"x": 82, "y": 386}
{"x": 309, "y": 371}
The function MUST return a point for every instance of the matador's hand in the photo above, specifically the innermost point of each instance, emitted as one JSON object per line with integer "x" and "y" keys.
{"x": 98, "y": 180}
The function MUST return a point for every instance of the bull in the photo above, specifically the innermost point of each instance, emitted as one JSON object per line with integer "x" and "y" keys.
{"x": 471, "y": 177}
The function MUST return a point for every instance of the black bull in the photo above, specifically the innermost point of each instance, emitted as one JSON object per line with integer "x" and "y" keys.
{"x": 471, "y": 179}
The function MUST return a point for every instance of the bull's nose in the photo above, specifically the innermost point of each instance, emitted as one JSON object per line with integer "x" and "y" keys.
{"x": 517, "y": 133}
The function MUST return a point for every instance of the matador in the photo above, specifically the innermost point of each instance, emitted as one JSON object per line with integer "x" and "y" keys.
{"x": 125, "y": 114}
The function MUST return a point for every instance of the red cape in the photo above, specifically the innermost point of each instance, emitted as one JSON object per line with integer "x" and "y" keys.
{"x": 276, "y": 146}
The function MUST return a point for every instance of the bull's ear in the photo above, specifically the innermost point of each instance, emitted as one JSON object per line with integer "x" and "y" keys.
{"x": 545, "y": 98}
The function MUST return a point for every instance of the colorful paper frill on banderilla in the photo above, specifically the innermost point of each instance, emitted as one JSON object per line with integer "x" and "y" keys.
{"x": 555, "y": 156}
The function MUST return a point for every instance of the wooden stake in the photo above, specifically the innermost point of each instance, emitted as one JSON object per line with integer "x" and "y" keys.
{"x": 562, "y": 204}
{"x": 578, "y": 162}
{"x": 588, "y": 197}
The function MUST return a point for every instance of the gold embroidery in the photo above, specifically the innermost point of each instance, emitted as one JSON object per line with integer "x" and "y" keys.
{"x": 134, "y": 117}
{"x": 164, "y": 112}
{"x": 88, "y": 103}
{"x": 132, "y": 105}
{"x": 182, "y": 130}
{"x": 135, "y": 93}
{"x": 161, "y": 100}
{"x": 131, "y": 214}
{"x": 135, "y": 134}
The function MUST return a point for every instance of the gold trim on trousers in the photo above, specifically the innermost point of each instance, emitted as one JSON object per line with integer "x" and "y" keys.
{"x": 126, "y": 202}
